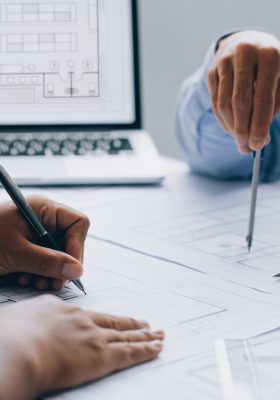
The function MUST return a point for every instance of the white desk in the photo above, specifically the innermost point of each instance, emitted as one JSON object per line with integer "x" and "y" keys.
{"x": 176, "y": 255}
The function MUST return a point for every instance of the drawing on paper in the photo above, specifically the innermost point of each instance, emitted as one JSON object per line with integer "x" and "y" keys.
{"x": 13, "y": 294}
{"x": 221, "y": 233}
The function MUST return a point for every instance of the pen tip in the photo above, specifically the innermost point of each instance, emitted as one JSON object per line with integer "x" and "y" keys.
{"x": 249, "y": 241}
{"x": 84, "y": 292}
{"x": 276, "y": 276}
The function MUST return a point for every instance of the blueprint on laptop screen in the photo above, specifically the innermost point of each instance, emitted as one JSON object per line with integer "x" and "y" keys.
{"x": 66, "y": 62}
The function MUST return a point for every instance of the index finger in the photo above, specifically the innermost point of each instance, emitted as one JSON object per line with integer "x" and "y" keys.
{"x": 264, "y": 99}
{"x": 74, "y": 225}
{"x": 242, "y": 99}
{"x": 63, "y": 220}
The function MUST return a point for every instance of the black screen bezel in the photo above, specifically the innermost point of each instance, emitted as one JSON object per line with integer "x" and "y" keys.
{"x": 137, "y": 124}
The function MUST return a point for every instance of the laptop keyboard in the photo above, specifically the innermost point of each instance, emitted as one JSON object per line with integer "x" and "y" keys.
{"x": 62, "y": 145}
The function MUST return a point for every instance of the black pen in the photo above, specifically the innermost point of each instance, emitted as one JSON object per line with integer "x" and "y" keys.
{"x": 30, "y": 217}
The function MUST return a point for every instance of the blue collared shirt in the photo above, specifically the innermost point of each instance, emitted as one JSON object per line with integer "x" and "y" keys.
{"x": 208, "y": 149}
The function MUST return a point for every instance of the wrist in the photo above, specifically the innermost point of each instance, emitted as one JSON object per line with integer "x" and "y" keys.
{"x": 19, "y": 373}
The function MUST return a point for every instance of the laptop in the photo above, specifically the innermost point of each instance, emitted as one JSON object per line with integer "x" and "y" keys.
{"x": 70, "y": 104}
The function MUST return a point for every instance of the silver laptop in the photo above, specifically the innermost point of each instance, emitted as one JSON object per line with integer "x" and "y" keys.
{"x": 70, "y": 104}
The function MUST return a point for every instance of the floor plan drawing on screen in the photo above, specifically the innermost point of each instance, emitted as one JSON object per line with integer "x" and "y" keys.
{"x": 58, "y": 52}
{"x": 64, "y": 61}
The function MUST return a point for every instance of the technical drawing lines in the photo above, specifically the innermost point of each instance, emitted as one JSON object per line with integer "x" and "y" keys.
{"x": 39, "y": 43}
{"x": 13, "y": 294}
{"x": 39, "y": 12}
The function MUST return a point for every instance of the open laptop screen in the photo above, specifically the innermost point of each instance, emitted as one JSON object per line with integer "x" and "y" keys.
{"x": 68, "y": 62}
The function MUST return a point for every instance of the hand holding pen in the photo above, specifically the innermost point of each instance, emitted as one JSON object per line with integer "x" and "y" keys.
{"x": 243, "y": 83}
{"x": 22, "y": 250}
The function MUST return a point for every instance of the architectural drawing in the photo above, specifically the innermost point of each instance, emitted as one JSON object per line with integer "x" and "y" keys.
{"x": 66, "y": 62}
{"x": 49, "y": 51}
{"x": 206, "y": 233}
{"x": 192, "y": 308}
{"x": 13, "y": 294}
{"x": 207, "y": 297}
{"x": 221, "y": 233}
{"x": 39, "y": 12}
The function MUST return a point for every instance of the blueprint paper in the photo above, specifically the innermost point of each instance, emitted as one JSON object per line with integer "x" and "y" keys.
{"x": 13, "y": 294}
{"x": 193, "y": 309}
{"x": 200, "y": 224}
{"x": 204, "y": 288}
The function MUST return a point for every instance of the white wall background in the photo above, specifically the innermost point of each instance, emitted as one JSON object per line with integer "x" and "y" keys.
{"x": 175, "y": 35}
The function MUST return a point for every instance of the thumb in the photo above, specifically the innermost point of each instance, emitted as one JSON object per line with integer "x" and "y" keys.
{"x": 47, "y": 262}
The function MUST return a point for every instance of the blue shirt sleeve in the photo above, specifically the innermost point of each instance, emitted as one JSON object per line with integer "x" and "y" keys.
{"x": 208, "y": 149}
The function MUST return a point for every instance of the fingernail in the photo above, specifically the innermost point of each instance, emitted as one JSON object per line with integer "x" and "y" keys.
{"x": 145, "y": 324}
{"x": 257, "y": 142}
{"x": 157, "y": 345}
{"x": 160, "y": 332}
{"x": 71, "y": 271}
{"x": 243, "y": 149}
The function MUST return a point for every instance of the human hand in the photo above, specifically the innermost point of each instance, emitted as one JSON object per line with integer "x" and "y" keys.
{"x": 48, "y": 345}
{"x": 19, "y": 252}
{"x": 244, "y": 83}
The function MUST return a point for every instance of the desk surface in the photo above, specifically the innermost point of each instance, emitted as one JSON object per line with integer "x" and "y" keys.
{"x": 176, "y": 255}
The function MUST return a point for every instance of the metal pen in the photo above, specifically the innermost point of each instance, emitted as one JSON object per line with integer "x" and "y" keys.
{"x": 258, "y": 155}
{"x": 30, "y": 217}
